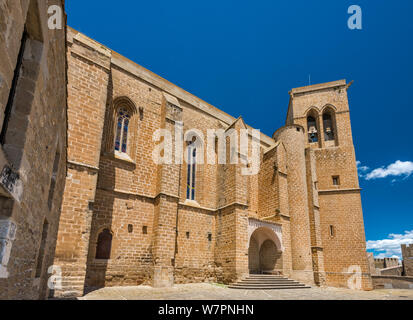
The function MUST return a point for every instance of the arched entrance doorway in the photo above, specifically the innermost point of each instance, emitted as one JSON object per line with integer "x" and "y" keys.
{"x": 264, "y": 252}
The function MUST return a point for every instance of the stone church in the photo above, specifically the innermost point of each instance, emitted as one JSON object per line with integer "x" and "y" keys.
{"x": 82, "y": 197}
{"x": 126, "y": 220}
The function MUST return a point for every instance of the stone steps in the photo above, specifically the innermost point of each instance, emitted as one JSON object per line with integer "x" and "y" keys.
{"x": 267, "y": 282}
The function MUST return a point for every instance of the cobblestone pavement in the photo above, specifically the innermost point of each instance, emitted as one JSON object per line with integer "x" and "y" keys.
{"x": 205, "y": 291}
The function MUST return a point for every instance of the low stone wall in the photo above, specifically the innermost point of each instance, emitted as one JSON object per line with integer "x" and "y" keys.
{"x": 392, "y": 271}
{"x": 392, "y": 282}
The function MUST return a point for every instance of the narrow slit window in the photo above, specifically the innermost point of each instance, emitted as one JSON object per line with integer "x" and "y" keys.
{"x": 332, "y": 231}
{"x": 122, "y": 128}
{"x": 191, "y": 173}
{"x": 40, "y": 256}
{"x": 54, "y": 178}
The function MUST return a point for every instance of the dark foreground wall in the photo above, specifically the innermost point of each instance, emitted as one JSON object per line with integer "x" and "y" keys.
{"x": 32, "y": 144}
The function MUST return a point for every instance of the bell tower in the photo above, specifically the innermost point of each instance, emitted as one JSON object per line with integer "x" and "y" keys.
{"x": 335, "y": 210}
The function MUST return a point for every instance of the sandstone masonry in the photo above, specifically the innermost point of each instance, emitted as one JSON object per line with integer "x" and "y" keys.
{"x": 33, "y": 145}
{"x": 128, "y": 221}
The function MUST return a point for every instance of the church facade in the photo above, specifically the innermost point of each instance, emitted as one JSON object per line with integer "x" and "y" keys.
{"x": 128, "y": 220}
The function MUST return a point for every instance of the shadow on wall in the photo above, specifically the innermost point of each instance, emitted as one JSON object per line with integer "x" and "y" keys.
{"x": 101, "y": 233}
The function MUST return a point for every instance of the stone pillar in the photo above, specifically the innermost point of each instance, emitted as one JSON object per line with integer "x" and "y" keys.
{"x": 231, "y": 250}
{"x": 166, "y": 205}
{"x": 294, "y": 142}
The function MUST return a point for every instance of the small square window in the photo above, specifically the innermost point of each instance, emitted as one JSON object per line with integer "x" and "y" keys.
{"x": 187, "y": 235}
{"x": 145, "y": 230}
{"x": 336, "y": 180}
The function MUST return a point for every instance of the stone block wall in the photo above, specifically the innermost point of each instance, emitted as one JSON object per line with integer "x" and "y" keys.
{"x": 33, "y": 146}
{"x": 88, "y": 74}
{"x": 123, "y": 192}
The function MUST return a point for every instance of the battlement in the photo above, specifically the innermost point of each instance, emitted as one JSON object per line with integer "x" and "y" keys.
{"x": 383, "y": 263}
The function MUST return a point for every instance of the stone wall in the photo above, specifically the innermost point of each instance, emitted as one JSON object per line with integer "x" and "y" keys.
{"x": 392, "y": 271}
{"x": 33, "y": 146}
{"x": 392, "y": 282}
{"x": 123, "y": 192}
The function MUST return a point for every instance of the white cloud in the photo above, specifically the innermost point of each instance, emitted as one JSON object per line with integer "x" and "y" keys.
{"x": 361, "y": 169}
{"x": 397, "y": 169}
{"x": 383, "y": 255}
{"x": 390, "y": 247}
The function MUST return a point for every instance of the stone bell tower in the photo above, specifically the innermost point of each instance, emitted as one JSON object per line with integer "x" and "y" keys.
{"x": 335, "y": 211}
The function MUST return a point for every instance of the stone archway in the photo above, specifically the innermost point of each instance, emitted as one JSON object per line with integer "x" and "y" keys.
{"x": 265, "y": 248}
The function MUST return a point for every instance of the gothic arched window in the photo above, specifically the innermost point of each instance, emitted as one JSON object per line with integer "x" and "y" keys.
{"x": 122, "y": 127}
{"x": 191, "y": 173}
{"x": 104, "y": 245}
{"x": 312, "y": 129}
{"x": 328, "y": 125}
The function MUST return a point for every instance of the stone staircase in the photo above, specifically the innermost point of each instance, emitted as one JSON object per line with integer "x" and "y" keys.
{"x": 267, "y": 282}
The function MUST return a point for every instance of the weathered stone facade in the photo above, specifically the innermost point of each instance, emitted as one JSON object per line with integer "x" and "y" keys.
{"x": 33, "y": 145}
{"x": 126, "y": 220}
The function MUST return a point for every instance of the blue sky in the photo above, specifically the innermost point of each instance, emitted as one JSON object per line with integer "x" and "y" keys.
{"x": 244, "y": 57}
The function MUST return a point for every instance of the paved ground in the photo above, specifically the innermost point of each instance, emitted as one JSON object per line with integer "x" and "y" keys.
{"x": 205, "y": 291}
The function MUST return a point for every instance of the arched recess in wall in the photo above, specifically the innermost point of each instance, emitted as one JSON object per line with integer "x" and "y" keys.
{"x": 104, "y": 244}
{"x": 265, "y": 253}
{"x": 22, "y": 94}
{"x": 121, "y": 127}
{"x": 313, "y": 126}
{"x": 329, "y": 125}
